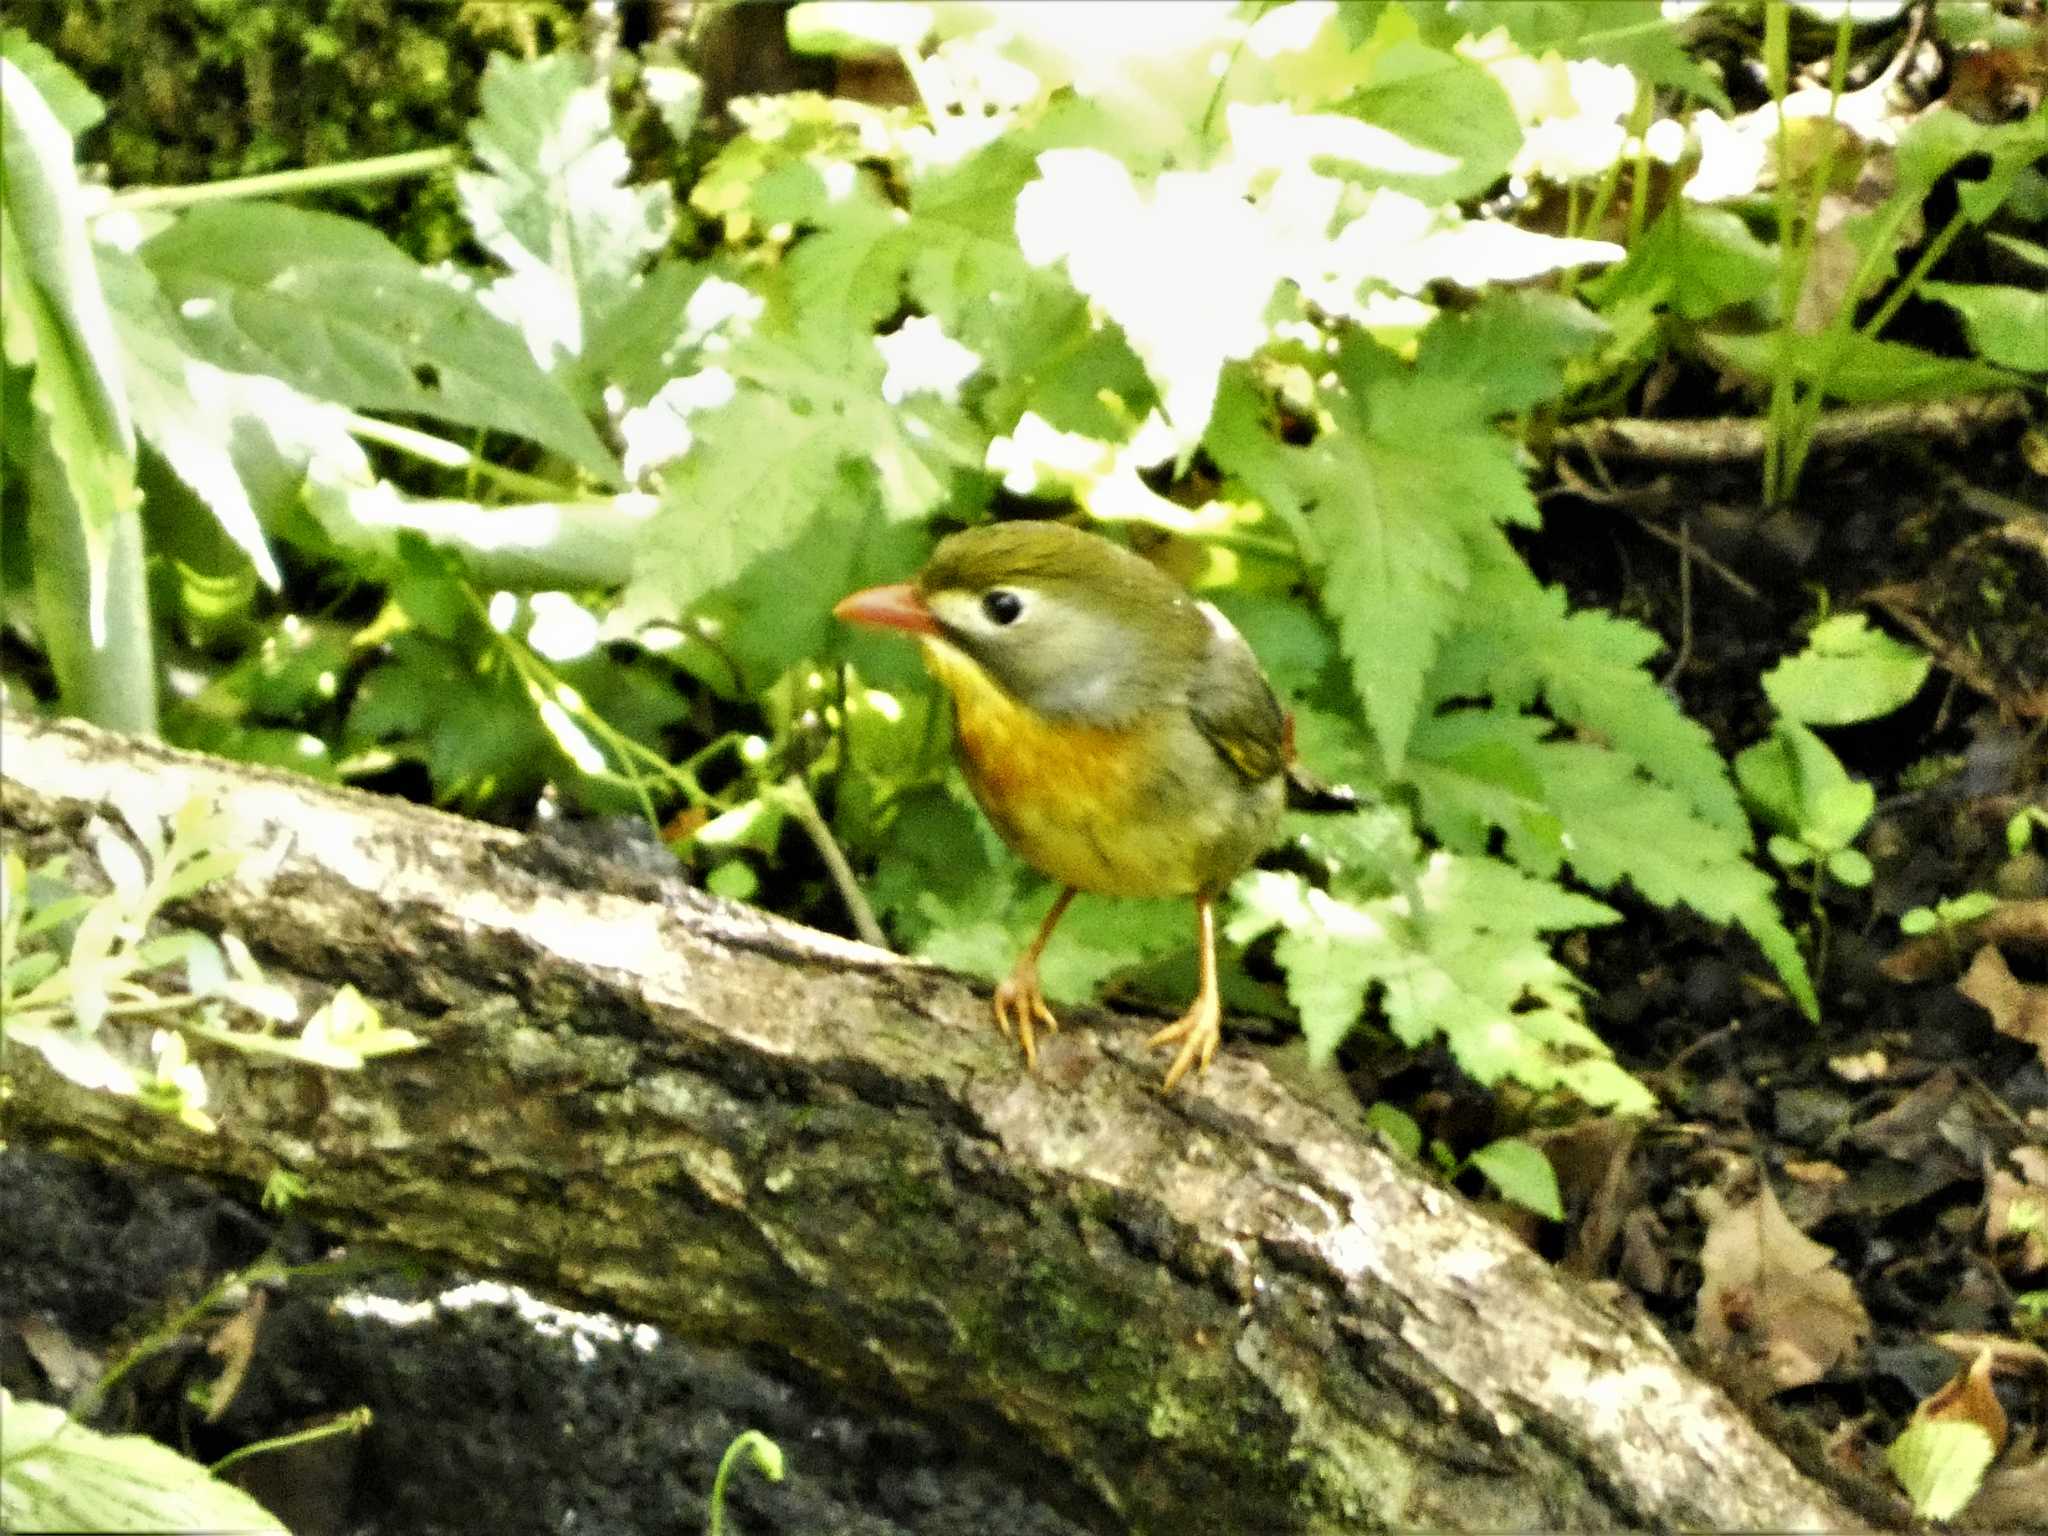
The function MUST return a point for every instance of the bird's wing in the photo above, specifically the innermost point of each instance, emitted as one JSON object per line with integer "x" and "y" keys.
{"x": 1232, "y": 705}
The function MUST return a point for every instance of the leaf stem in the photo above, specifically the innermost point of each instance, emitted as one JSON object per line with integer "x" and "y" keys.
{"x": 795, "y": 796}
{"x": 438, "y": 450}
{"x": 314, "y": 178}
{"x": 353, "y": 1422}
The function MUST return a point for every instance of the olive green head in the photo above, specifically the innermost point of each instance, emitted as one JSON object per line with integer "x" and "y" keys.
{"x": 1067, "y": 622}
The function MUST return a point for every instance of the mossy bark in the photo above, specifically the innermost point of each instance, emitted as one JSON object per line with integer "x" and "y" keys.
{"x": 1220, "y": 1311}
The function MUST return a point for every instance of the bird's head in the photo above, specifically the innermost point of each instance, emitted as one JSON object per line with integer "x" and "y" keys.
{"x": 1067, "y": 623}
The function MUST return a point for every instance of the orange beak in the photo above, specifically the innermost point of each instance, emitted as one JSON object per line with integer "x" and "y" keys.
{"x": 893, "y": 607}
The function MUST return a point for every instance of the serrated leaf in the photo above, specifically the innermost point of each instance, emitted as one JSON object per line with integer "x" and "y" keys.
{"x": 59, "y": 1475}
{"x": 1434, "y": 99}
{"x": 758, "y": 474}
{"x": 1520, "y": 643}
{"x": 1594, "y": 811}
{"x": 1509, "y": 351}
{"x": 1700, "y": 261}
{"x": 1636, "y": 33}
{"x": 1457, "y": 953}
{"x": 556, "y": 208}
{"x": 1847, "y": 672}
{"x": 335, "y": 310}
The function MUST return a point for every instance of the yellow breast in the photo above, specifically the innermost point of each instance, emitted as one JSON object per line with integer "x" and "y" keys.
{"x": 1063, "y": 795}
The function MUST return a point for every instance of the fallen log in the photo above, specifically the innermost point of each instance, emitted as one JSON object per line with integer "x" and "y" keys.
{"x": 1221, "y": 1311}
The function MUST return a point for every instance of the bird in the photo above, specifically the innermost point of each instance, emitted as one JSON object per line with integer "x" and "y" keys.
{"x": 1118, "y": 733}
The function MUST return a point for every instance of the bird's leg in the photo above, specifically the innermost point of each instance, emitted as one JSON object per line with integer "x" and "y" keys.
{"x": 1200, "y": 1029}
{"x": 1019, "y": 995}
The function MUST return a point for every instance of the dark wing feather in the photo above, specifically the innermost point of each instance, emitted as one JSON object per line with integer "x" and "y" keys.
{"x": 1233, "y": 706}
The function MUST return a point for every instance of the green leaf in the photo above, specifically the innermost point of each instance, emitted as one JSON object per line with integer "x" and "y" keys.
{"x": 244, "y": 443}
{"x": 1397, "y": 1125}
{"x": 1434, "y": 99}
{"x": 1391, "y": 503}
{"x": 1848, "y": 672}
{"x": 1941, "y": 1465}
{"x": 869, "y": 29}
{"x": 555, "y": 208}
{"x": 1457, "y": 951}
{"x": 1631, "y": 32}
{"x": 1509, "y": 351}
{"x": 1700, "y": 261}
{"x": 1523, "y": 1174}
{"x": 74, "y": 106}
{"x": 646, "y": 338}
{"x": 1849, "y": 866}
{"x": 757, "y": 476}
{"x": 335, "y": 310}
{"x": 2009, "y": 326}
{"x": 1520, "y": 643}
{"x": 83, "y": 505}
{"x": 1860, "y": 369}
{"x": 1801, "y": 788}
{"x": 1595, "y": 812}
{"x": 60, "y": 1476}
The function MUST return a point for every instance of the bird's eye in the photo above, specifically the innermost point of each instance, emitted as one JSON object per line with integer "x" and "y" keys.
{"x": 1002, "y": 606}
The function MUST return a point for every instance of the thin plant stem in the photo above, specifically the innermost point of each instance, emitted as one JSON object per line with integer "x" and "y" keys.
{"x": 795, "y": 796}
{"x": 438, "y": 450}
{"x": 767, "y": 1456}
{"x": 1910, "y": 283}
{"x": 314, "y": 178}
{"x": 353, "y": 1422}
{"x": 1791, "y": 269}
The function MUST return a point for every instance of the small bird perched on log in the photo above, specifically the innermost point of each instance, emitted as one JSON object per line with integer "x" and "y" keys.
{"x": 1118, "y": 733}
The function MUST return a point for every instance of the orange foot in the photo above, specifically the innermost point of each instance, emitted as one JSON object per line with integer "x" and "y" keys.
{"x": 1021, "y": 1001}
{"x": 1198, "y": 1034}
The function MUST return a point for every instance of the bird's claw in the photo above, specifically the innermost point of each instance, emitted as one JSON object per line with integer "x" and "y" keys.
{"x": 1198, "y": 1033}
{"x": 1020, "y": 1007}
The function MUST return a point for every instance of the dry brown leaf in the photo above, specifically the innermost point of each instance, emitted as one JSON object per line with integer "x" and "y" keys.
{"x": 2017, "y": 1008}
{"x": 1820, "y": 1173}
{"x": 234, "y": 1343}
{"x": 1911, "y": 1128}
{"x": 1592, "y": 1160}
{"x": 2013, "y": 1355}
{"x": 66, "y": 1364}
{"x": 1968, "y": 1399}
{"x": 1768, "y": 1293}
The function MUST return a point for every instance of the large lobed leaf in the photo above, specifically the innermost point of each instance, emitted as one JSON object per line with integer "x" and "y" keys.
{"x": 337, "y": 311}
{"x": 554, "y": 206}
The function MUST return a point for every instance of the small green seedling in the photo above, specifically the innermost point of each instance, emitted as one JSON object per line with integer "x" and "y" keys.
{"x": 1946, "y": 917}
{"x": 766, "y": 1456}
{"x": 1792, "y": 779}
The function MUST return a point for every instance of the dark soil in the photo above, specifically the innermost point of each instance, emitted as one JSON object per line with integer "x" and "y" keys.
{"x": 1882, "y": 1127}
{"x": 491, "y": 1412}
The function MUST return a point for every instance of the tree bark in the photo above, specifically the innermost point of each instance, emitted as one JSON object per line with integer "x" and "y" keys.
{"x": 1220, "y": 1311}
